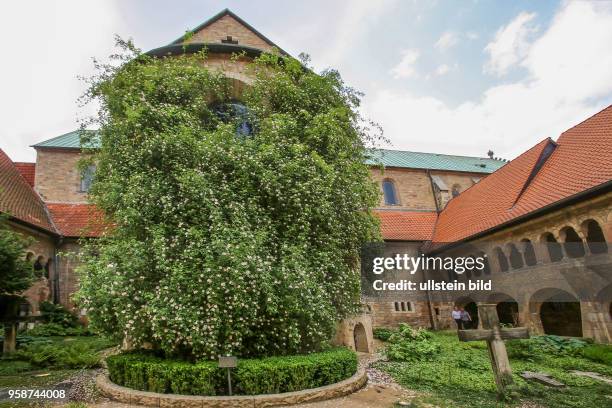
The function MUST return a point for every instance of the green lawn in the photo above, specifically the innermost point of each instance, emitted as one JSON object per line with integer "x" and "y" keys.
{"x": 460, "y": 376}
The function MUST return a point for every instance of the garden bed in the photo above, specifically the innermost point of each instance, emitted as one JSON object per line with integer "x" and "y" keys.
{"x": 272, "y": 375}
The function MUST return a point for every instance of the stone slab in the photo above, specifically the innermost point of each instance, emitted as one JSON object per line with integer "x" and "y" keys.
{"x": 542, "y": 378}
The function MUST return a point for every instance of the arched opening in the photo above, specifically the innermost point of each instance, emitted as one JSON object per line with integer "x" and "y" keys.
{"x": 595, "y": 237}
{"x": 573, "y": 245}
{"x": 501, "y": 260}
{"x": 516, "y": 259}
{"x": 507, "y": 309}
{"x": 529, "y": 252}
{"x": 555, "y": 253}
{"x": 559, "y": 312}
{"x": 360, "y": 338}
{"x": 471, "y": 307}
{"x": 389, "y": 192}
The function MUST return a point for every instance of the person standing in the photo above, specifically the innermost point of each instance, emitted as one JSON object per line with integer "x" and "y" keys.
{"x": 466, "y": 319}
{"x": 456, "y": 315}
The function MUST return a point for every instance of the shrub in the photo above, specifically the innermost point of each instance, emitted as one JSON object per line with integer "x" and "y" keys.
{"x": 56, "y": 329}
{"x": 600, "y": 353}
{"x": 52, "y": 313}
{"x": 534, "y": 347}
{"x": 149, "y": 372}
{"x": 224, "y": 243}
{"x": 383, "y": 334}
{"x": 74, "y": 356}
{"x": 409, "y": 344}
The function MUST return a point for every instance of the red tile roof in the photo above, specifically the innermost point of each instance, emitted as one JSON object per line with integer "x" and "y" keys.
{"x": 18, "y": 198}
{"x": 27, "y": 170}
{"x": 407, "y": 225}
{"x": 78, "y": 220}
{"x": 580, "y": 160}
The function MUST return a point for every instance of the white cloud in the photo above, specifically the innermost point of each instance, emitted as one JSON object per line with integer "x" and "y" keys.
{"x": 447, "y": 41}
{"x": 510, "y": 45}
{"x": 472, "y": 35}
{"x": 355, "y": 20}
{"x": 50, "y": 43}
{"x": 405, "y": 68}
{"x": 445, "y": 69}
{"x": 568, "y": 78}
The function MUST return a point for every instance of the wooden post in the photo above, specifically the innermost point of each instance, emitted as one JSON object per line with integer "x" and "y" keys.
{"x": 10, "y": 338}
{"x": 494, "y": 335}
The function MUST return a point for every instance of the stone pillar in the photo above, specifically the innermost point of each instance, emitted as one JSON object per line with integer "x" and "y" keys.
{"x": 596, "y": 323}
{"x": 10, "y": 338}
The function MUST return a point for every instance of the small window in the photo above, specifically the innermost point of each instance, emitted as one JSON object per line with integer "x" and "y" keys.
{"x": 456, "y": 190}
{"x": 390, "y": 193}
{"x": 403, "y": 306}
{"x": 87, "y": 177}
{"x": 397, "y": 307}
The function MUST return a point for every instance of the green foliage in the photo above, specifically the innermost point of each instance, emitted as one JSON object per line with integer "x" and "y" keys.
{"x": 537, "y": 346}
{"x": 146, "y": 371}
{"x": 12, "y": 367}
{"x": 226, "y": 243}
{"x": 600, "y": 353}
{"x": 461, "y": 377}
{"x": 52, "y": 313}
{"x": 55, "y": 329}
{"x": 382, "y": 333}
{"x": 409, "y": 344}
{"x": 16, "y": 274}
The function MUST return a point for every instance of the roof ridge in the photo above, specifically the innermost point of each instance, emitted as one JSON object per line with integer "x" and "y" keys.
{"x": 584, "y": 120}
{"x": 454, "y": 199}
{"x": 436, "y": 154}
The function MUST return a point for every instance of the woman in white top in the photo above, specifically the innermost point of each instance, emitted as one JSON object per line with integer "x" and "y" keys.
{"x": 456, "y": 314}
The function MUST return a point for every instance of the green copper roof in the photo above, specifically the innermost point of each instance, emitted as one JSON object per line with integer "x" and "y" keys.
{"x": 70, "y": 140}
{"x": 389, "y": 158}
{"x": 433, "y": 161}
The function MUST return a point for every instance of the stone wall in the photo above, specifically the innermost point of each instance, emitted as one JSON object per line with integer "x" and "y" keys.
{"x": 58, "y": 178}
{"x": 40, "y": 250}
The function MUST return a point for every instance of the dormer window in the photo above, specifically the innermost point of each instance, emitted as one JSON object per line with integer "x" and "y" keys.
{"x": 389, "y": 193}
{"x": 236, "y": 112}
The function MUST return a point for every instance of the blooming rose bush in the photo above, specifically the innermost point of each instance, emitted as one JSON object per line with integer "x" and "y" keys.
{"x": 225, "y": 242}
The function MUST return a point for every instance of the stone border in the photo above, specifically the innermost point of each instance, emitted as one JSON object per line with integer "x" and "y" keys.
{"x": 154, "y": 399}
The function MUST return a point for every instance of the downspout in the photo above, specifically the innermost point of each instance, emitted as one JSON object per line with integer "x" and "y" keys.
{"x": 432, "y": 319}
{"x": 56, "y": 271}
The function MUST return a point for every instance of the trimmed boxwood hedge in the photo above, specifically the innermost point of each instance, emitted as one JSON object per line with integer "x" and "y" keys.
{"x": 146, "y": 372}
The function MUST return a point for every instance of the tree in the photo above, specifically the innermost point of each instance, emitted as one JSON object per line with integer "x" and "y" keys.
{"x": 237, "y": 226}
{"x": 16, "y": 275}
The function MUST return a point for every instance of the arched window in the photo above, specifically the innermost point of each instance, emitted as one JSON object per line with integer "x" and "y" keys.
{"x": 87, "y": 177}
{"x": 516, "y": 259}
{"x": 529, "y": 252}
{"x": 574, "y": 247}
{"x": 235, "y": 112}
{"x": 595, "y": 238}
{"x": 389, "y": 192}
{"x": 502, "y": 260}
{"x": 554, "y": 248}
{"x": 456, "y": 190}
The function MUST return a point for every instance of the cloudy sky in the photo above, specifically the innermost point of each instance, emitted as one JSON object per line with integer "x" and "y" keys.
{"x": 439, "y": 76}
